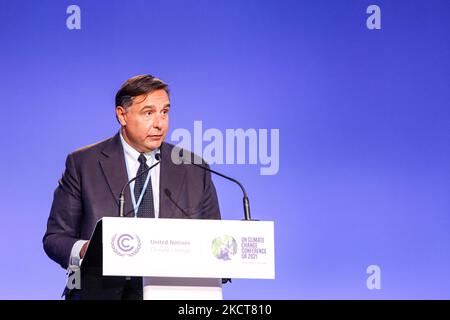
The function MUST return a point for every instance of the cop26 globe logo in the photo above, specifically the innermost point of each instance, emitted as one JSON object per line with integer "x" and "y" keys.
{"x": 126, "y": 244}
{"x": 224, "y": 248}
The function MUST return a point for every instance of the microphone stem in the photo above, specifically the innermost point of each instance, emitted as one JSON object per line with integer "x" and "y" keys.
{"x": 121, "y": 203}
{"x": 245, "y": 200}
{"x": 247, "y": 209}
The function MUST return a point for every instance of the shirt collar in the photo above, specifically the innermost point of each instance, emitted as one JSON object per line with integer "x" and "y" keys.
{"x": 133, "y": 153}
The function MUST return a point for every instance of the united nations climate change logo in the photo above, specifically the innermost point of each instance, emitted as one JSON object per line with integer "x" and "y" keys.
{"x": 224, "y": 248}
{"x": 126, "y": 244}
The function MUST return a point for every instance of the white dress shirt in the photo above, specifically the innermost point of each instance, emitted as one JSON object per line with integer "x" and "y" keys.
{"x": 132, "y": 162}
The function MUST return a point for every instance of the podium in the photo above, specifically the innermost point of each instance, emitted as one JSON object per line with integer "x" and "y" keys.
{"x": 181, "y": 259}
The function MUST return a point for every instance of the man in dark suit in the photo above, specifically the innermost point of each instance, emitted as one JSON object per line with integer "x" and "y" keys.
{"x": 94, "y": 176}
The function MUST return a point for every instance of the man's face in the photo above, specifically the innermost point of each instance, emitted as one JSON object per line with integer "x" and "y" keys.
{"x": 146, "y": 121}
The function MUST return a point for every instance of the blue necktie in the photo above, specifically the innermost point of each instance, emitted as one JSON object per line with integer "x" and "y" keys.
{"x": 146, "y": 208}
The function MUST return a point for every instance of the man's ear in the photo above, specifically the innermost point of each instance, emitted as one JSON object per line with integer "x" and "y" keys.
{"x": 120, "y": 115}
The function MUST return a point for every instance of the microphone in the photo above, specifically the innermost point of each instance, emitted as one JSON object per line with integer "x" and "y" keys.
{"x": 245, "y": 199}
{"x": 122, "y": 196}
{"x": 168, "y": 193}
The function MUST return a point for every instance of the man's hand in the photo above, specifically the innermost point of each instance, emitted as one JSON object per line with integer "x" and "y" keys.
{"x": 83, "y": 250}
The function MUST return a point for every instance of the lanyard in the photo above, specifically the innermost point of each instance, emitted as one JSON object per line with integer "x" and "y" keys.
{"x": 136, "y": 205}
{"x": 133, "y": 198}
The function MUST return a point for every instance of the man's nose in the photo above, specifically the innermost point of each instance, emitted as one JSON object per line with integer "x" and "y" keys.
{"x": 157, "y": 121}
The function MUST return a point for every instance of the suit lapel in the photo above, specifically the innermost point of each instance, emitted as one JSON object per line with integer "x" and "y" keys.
{"x": 171, "y": 181}
{"x": 115, "y": 172}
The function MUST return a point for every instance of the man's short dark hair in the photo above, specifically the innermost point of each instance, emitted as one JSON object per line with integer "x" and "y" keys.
{"x": 136, "y": 86}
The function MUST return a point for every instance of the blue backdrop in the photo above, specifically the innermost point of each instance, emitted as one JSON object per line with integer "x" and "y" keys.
{"x": 363, "y": 117}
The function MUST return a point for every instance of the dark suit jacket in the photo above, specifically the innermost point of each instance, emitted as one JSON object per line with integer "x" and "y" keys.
{"x": 90, "y": 186}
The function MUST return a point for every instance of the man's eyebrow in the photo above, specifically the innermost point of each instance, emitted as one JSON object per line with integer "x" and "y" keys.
{"x": 149, "y": 106}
